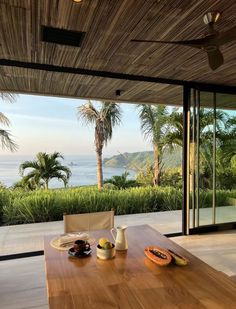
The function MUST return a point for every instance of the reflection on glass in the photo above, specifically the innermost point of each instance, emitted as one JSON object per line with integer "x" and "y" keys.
{"x": 212, "y": 158}
{"x": 226, "y": 160}
{"x": 206, "y": 132}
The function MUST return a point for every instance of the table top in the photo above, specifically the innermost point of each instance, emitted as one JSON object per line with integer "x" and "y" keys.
{"x": 131, "y": 280}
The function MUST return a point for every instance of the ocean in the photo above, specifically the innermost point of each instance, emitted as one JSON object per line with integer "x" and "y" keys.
{"x": 83, "y": 170}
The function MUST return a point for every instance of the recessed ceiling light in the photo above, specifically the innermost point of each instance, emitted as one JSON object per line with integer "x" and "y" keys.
{"x": 118, "y": 92}
{"x": 77, "y": 1}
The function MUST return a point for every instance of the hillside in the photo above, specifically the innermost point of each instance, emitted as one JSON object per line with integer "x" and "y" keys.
{"x": 137, "y": 160}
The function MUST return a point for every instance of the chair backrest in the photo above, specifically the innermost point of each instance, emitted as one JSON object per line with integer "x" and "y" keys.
{"x": 88, "y": 221}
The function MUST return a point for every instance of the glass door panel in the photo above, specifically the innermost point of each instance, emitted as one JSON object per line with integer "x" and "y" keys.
{"x": 226, "y": 159}
{"x": 212, "y": 159}
{"x": 205, "y": 159}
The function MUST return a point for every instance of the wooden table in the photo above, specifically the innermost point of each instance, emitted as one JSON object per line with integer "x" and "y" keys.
{"x": 132, "y": 281}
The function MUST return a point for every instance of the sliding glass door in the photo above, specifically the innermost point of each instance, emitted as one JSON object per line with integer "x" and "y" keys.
{"x": 211, "y": 159}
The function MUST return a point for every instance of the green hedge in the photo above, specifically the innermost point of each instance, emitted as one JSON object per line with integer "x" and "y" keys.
{"x": 49, "y": 205}
{"x": 17, "y": 206}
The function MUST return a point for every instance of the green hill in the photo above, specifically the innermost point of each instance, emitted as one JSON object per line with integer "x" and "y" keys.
{"x": 137, "y": 160}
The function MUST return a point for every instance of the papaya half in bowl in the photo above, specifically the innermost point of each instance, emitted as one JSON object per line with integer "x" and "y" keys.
{"x": 158, "y": 255}
{"x": 164, "y": 257}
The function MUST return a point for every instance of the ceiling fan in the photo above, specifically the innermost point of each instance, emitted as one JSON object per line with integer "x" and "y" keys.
{"x": 210, "y": 43}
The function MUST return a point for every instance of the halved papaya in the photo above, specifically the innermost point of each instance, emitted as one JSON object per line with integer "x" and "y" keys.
{"x": 158, "y": 255}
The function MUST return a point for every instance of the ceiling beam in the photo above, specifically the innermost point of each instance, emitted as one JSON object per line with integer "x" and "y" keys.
{"x": 122, "y": 76}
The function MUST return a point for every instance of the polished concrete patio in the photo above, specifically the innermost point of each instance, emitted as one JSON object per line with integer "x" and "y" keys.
{"x": 29, "y": 237}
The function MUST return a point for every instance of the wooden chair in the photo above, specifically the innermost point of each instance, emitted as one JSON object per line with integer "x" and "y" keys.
{"x": 88, "y": 221}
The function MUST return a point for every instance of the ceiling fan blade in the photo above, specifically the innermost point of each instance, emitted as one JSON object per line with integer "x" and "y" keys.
{"x": 227, "y": 36}
{"x": 198, "y": 43}
{"x": 215, "y": 58}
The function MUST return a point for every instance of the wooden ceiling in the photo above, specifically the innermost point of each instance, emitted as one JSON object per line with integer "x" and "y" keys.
{"x": 109, "y": 27}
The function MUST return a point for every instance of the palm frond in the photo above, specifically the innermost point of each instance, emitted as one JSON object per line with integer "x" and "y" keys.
{"x": 33, "y": 177}
{"x": 228, "y": 146}
{"x": 60, "y": 176}
{"x": 9, "y": 97}
{"x": 110, "y": 115}
{"x": 4, "y": 120}
{"x": 5, "y": 136}
{"x": 173, "y": 139}
{"x": 87, "y": 113}
{"x": 147, "y": 119}
{"x": 28, "y": 164}
{"x": 64, "y": 169}
{"x": 153, "y": 121}
{"x": 6, "y": 141}
{"x": 56, "y": 155}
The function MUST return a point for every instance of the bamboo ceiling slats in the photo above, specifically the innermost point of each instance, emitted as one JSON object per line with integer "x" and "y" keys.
{"x": 109, "y": 27}
{"x": 77, "y": 86}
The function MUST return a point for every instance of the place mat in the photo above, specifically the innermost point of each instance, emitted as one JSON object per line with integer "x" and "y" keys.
{"x": 66, "y": 241}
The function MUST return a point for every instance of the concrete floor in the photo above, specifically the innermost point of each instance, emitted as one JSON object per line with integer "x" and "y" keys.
{"x": 29, "y": 237}
{"x": 216, "y": 249}
{"x": 22, "y": 281}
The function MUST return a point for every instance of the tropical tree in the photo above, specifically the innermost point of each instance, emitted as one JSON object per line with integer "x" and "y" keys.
{"x": 104, "y": 119}
{"x": 27, "y": 184}
{"x": 228, "y": 141}
{"x": 5, "y": 136}
{"x": 122, "y": 181}
{"x": 154, "y": 127}
{"x": 145, "y": 175}
{"x": 206, "y": 119}
{"x": 44, "y": 168}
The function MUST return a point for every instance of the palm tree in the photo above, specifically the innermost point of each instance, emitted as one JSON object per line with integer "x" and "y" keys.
{"x": 44, "y": 168}
{"x": 174, "y": 135}
{"x": 28, "y": 184}
{"x": 228, "y": 142}
{"x": 5, "y": 135}
{"x": 122, "y": 181}
{"x": 104, "y": 120}
{"x": 206, "y": 118}
{"x": 154, "y": 127}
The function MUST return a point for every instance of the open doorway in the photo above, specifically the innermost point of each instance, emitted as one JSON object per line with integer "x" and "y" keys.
{"x": 140, "y": 189}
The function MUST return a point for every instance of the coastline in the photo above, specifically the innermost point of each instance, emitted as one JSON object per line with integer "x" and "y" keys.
{"x": 83, "y": 170}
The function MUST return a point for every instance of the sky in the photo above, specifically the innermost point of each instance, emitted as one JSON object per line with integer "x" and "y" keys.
{"x": 48, "y": 124}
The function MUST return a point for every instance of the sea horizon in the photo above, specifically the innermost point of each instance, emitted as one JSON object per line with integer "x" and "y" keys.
{"x": 83, "y": 169}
